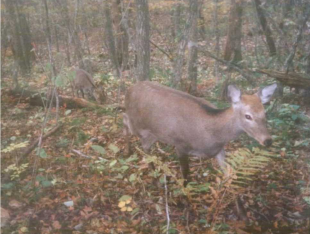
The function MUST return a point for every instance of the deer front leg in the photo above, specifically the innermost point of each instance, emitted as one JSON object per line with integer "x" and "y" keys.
{"x": 82, "y": 91}
{"x": 127, "y": 134}
{"x": 184, "y": 162}
{"x": 220, "y": 157}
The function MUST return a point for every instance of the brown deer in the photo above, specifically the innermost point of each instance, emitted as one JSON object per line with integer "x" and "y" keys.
{"x": 158, "y": 113}
{"x": 83, "y": 82}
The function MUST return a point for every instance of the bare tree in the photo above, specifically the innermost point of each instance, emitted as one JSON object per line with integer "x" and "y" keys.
{"x": 49, "y": 38}
{"x": 289, "y": 60}
{"x": 73, "y": 33}
{"x": 85, "y": 27}
{"x": 176, "y": 20}
{"x": 217, "y": 37}
{"x": 201, "y": 22}
{"x": 179, "y": 60}
{"x": 192, "y": 46}
{"x": 110, "y": 39}
{"x": 21, "y": 36}
{"x": 122, "y": 38}
{"x": 233, "y": 42}
{"x": 308, "y": 64}
{"x": 265, "y": 27}
{"x": 143, "y": 40}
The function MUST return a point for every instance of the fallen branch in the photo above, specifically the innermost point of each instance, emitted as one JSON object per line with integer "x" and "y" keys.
{"x": 35, "y": 98}
{"x": 228, "y": 64}
{"x": 291, "y": 79}
{"x": 161, "y": 50}
{"x": 35, "y": 143}
{"x": 80, "y": 153}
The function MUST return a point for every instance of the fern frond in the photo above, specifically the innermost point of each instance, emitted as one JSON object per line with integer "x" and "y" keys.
{"x": 245, "y": 165}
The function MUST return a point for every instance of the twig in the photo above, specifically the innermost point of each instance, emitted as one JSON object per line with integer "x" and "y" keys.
{"x": 35, "y": 143}
{"x": 289, "y": 59}
{"x": 240, "y": 209}
{"x": 161, "y": 50}
{"x": 229, "y": 64}
{"x": 167, "y": 206}
{"x": 80, "y": 153}
{"x": 161, "y": 150}
{"x": 218, "y": 205}
{"x": 57, "y": 104}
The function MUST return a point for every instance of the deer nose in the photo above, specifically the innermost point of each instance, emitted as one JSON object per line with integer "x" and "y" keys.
{"x": 268, "y": 142}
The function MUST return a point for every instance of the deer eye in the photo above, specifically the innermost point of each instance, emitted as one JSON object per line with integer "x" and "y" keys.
{"x": 248, "y": 117}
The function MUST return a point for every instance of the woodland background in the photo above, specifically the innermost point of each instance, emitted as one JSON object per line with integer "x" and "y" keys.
{"x": 63, "y": 164}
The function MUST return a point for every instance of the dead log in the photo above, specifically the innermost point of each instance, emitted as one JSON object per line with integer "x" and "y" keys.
{"x": 291, "y": 79}
{"x": 36, "y": 98}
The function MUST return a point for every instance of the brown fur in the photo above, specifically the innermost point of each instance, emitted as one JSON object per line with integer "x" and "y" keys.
{"x": 158, "y": 113}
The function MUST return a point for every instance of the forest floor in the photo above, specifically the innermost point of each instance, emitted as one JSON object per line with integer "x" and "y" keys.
{"x": 82, "y": 182}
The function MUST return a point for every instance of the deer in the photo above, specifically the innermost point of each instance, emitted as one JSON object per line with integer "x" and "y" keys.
{"x": 193, "y": 125}
{"x": 83, "y": 82}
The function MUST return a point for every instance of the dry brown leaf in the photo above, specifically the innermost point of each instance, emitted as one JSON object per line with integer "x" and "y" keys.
{"x": 56, "y": 225}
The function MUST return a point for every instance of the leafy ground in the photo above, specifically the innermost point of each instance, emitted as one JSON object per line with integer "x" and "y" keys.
{"x": 60, "y": 190}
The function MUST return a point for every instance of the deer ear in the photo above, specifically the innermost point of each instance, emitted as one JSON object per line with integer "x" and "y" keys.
{"x": 233, "y": 93}
{"x": 266, "y": 93}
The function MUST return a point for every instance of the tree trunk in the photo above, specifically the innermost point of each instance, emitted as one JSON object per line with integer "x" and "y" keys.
{"x": 193, "y": 51}
{"x": 4, "y": 40}
{"x": 308, "y": 64}
{"x": 110, "y": 39}
{"x": 21, "y": 36}
{"x": 56, "y": 38}
{"x": 73, "y": 34}
{"x": 201, "y": 22}
{"x": 49, "y": 38}
{"x": 289, "y": 60}
{"x": 307, "y": 91}
{"x": 176, "y": 21}
{"x": 233, "y": 42}
{"x": 265, "y": 27}
{"x": 122, "y": 39}
{"x": 217, "y": 39}
{"x": 287, "y": 7}
{"x": 143, "y": 40}
{"x": 67, "y": 49}
{"x": 178, "y": 62}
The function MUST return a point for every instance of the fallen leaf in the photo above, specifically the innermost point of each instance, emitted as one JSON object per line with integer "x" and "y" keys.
{"x": 15, "y": 204}
{"x": 24, "y": 229}
{"x": 56, "y": 225}
{"x": 121, "y": 204}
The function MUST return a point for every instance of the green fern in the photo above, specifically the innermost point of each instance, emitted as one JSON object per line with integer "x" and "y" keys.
{"x": 244, "y": 164}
